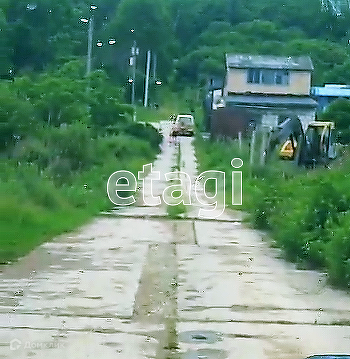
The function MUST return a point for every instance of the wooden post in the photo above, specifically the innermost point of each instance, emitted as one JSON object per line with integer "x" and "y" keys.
{"x": 240, "y": 142}
{"x": 252, "y": 148}
{"x": 263, "y": 146}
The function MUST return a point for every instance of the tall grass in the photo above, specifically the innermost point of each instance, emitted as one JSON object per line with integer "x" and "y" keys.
{"x": 217, "y": 155}
{"x": 40, "y": 199}
{"x": 307, "y": 213}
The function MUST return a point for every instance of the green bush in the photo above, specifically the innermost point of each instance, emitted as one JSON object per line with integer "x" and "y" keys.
{"x": 32, "y": 150}
{"x": 125, "y": 146}
{"x": 38, "y": 203}
{"x": 144, "y": 131}
{"x": 61, "y": 144}
{"x": 307, "y": 213}
{"x": 343, "y": 136}
{"x": 337, "y": 252}
{"x": 300, "y": 211}
{"x": 72, "y": 142}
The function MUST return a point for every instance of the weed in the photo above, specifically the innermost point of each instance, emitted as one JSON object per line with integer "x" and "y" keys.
{"x": 176, "y": 211}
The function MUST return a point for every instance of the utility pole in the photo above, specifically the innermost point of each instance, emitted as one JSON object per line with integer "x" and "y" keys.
{"x": 90, "y": 38}
{"x": 134, "y": 53}
{"x": 148, "y": 65}
{"x": 89, "y": 54}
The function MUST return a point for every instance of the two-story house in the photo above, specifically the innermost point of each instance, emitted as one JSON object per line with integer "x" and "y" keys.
{"x": 271, "y": 88}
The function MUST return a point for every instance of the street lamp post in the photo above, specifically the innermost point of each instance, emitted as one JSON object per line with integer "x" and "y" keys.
{"x": 90, "y": 21}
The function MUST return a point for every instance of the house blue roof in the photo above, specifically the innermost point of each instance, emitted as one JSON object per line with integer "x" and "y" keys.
{"x": 331, "y": 91}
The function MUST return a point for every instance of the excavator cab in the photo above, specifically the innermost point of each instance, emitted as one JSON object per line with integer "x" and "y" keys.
{"x": 315, "y": 145}
{"x": 319, "y": 141}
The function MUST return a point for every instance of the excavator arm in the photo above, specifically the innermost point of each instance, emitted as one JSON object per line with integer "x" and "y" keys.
{"x": 289, "y": 138}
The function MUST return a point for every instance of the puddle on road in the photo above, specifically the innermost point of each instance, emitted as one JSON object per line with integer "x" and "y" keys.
{"x": 200, "y": 336}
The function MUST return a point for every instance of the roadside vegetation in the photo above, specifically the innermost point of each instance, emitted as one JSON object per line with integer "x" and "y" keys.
{"x": 38, "y": 202}
{"x": 305, "y": 212}
{"x": 61, "y": 139}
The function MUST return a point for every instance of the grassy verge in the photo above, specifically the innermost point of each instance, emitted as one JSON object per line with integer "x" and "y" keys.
{"x": 307, "y": 213}
{"x": 217, "y": 155}
{"x": 37, "y": 204}
{"x": 55, "y": 177}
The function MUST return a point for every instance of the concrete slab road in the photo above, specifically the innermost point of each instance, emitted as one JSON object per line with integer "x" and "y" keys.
{"x": 134, "y": 283}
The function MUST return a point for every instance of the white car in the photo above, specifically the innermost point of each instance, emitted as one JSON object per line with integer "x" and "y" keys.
{"x": 183, "y": 126}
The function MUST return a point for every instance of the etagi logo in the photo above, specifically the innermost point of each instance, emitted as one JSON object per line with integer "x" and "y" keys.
{"x": 122, "y": 183}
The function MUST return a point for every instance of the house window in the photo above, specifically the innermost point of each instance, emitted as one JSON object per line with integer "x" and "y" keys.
{"x": 253, "y": 76}
{"x": 268, "y": 77}
{"x": 282, "y": 77}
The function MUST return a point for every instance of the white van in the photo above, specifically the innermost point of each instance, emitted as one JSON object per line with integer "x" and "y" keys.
{"x": 183, "y": 126}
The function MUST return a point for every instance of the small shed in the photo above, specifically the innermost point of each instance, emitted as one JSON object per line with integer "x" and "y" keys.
{"x": 229, "y": 122}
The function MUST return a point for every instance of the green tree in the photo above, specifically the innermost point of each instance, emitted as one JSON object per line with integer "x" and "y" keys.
{"x": 16, "y": 117}
{"x": 60, "y": 100}
{"x": 340, "y": 73}
{"x": 5, "y": 49}
{"x": 324, "y": 54}
{"x": 107, "y": 108}
{"x": 45, "y": 32}
{"x": 339, "y": 112}
{"x": 146, "y": 21}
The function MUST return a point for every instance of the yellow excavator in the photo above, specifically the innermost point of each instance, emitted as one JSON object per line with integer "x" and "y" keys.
{"x": 315, "y": 145}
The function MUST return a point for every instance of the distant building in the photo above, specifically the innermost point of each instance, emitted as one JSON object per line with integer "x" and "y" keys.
{"x": 213, "y": 98}
{"x": 330, "y": 92}
{"x": 269, "y": 88}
